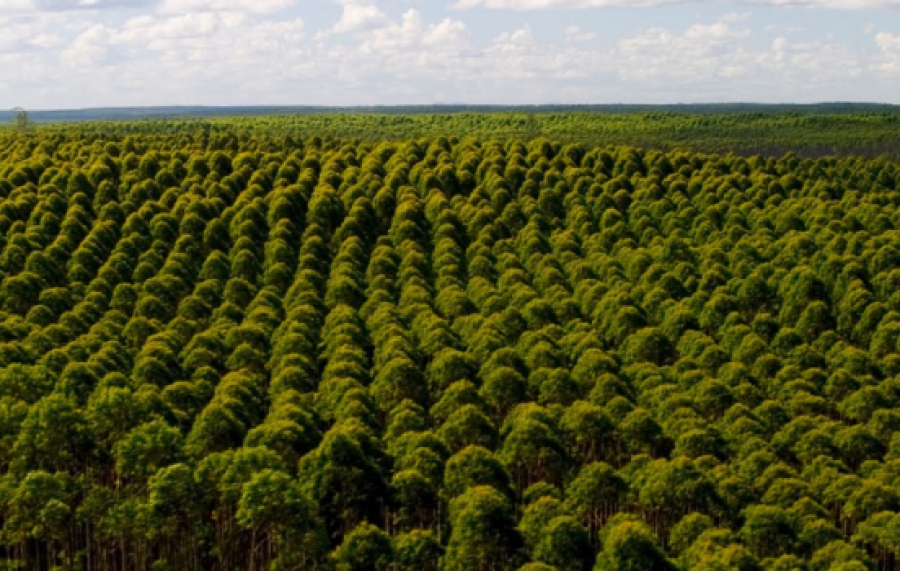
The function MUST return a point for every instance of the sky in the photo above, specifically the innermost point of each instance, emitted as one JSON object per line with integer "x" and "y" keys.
{"x": 67, "y": 54}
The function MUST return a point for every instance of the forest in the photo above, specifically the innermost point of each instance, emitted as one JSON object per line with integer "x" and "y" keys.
{"x": 240, "y": 347}
{"x": 809, "y": 131}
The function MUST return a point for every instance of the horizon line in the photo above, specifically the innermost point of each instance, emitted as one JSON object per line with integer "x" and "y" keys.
{"x": 455, "y": 105}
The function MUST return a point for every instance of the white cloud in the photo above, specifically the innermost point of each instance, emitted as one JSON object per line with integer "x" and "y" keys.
{"x": 825, "y": 61}
{"x": 410, "y": 49}
{"x": 561, "y": 4}
{"x": 359, "y": 17}
{"x": 65, "y": 5}
{"x": 890, "y": 49}
{"x": 208, "y": 57}
{"x": 165, "y": 6}
{"x": 833, "y": 4}
{"x": 702, "y": 52}
{"x": 179, "y": 32}
{"x": 544, "y": 4}
{"x": 14, "y": 6}
{"x": 270, "y": 6}
{"x": 253, "y": 6}
{"x": 576, "y": 34}
{"x": 89, "y": 49}
{"x": 721, "y": 62}
{"x": 31, "y": 6}
{"x": 228, "y": 57}
{"x": 30, "y": 35}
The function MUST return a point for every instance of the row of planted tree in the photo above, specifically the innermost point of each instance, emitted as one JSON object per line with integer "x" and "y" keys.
{"x": 231, "y": 351}
{"x": 807, "y": 130}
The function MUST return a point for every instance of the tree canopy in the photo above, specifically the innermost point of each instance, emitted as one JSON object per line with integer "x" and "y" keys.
{"x": 223, "y": 347}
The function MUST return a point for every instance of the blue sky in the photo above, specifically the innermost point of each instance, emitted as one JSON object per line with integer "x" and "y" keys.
{"x": 89, "y": 53}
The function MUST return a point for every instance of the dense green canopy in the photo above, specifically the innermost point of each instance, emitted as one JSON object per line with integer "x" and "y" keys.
{"x": 227, "y": 348}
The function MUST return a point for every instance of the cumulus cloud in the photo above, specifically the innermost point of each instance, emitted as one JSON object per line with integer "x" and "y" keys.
{"x": 165, "y": 6}
{"x": 544, "y": 4}
{"x": 63, "y": 5}
{"x": 269, "y": 6}
{"x": 701, "y": 52}
{"x": 14, "y": 6}
{"x": 27, "y": 6}
{"x": 722, "y": 62}
{"x": 890, "y": 49}
{"x": 35, "y": 35}
{"x": 358, "y": 17}
{"x": 207, "y": 57}
{"x": 90, "y": 48}
{"x": 238, "y": 56}
{"x": 559, "y": 4}
{"x": 252, "y": 6}
{"x": 833, "y": 4}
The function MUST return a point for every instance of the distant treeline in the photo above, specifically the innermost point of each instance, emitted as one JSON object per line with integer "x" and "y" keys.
{"x": 810, "y": 131}
{"x": 195, "y": 111}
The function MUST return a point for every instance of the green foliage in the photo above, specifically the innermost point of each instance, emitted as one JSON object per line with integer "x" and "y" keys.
{"x": 241, "y": 345}
{"x": 630, "y": 546}
{"x": 417, "y": 550}
{"x": 366, "y": 548}
{"x": 484, "y": 531}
